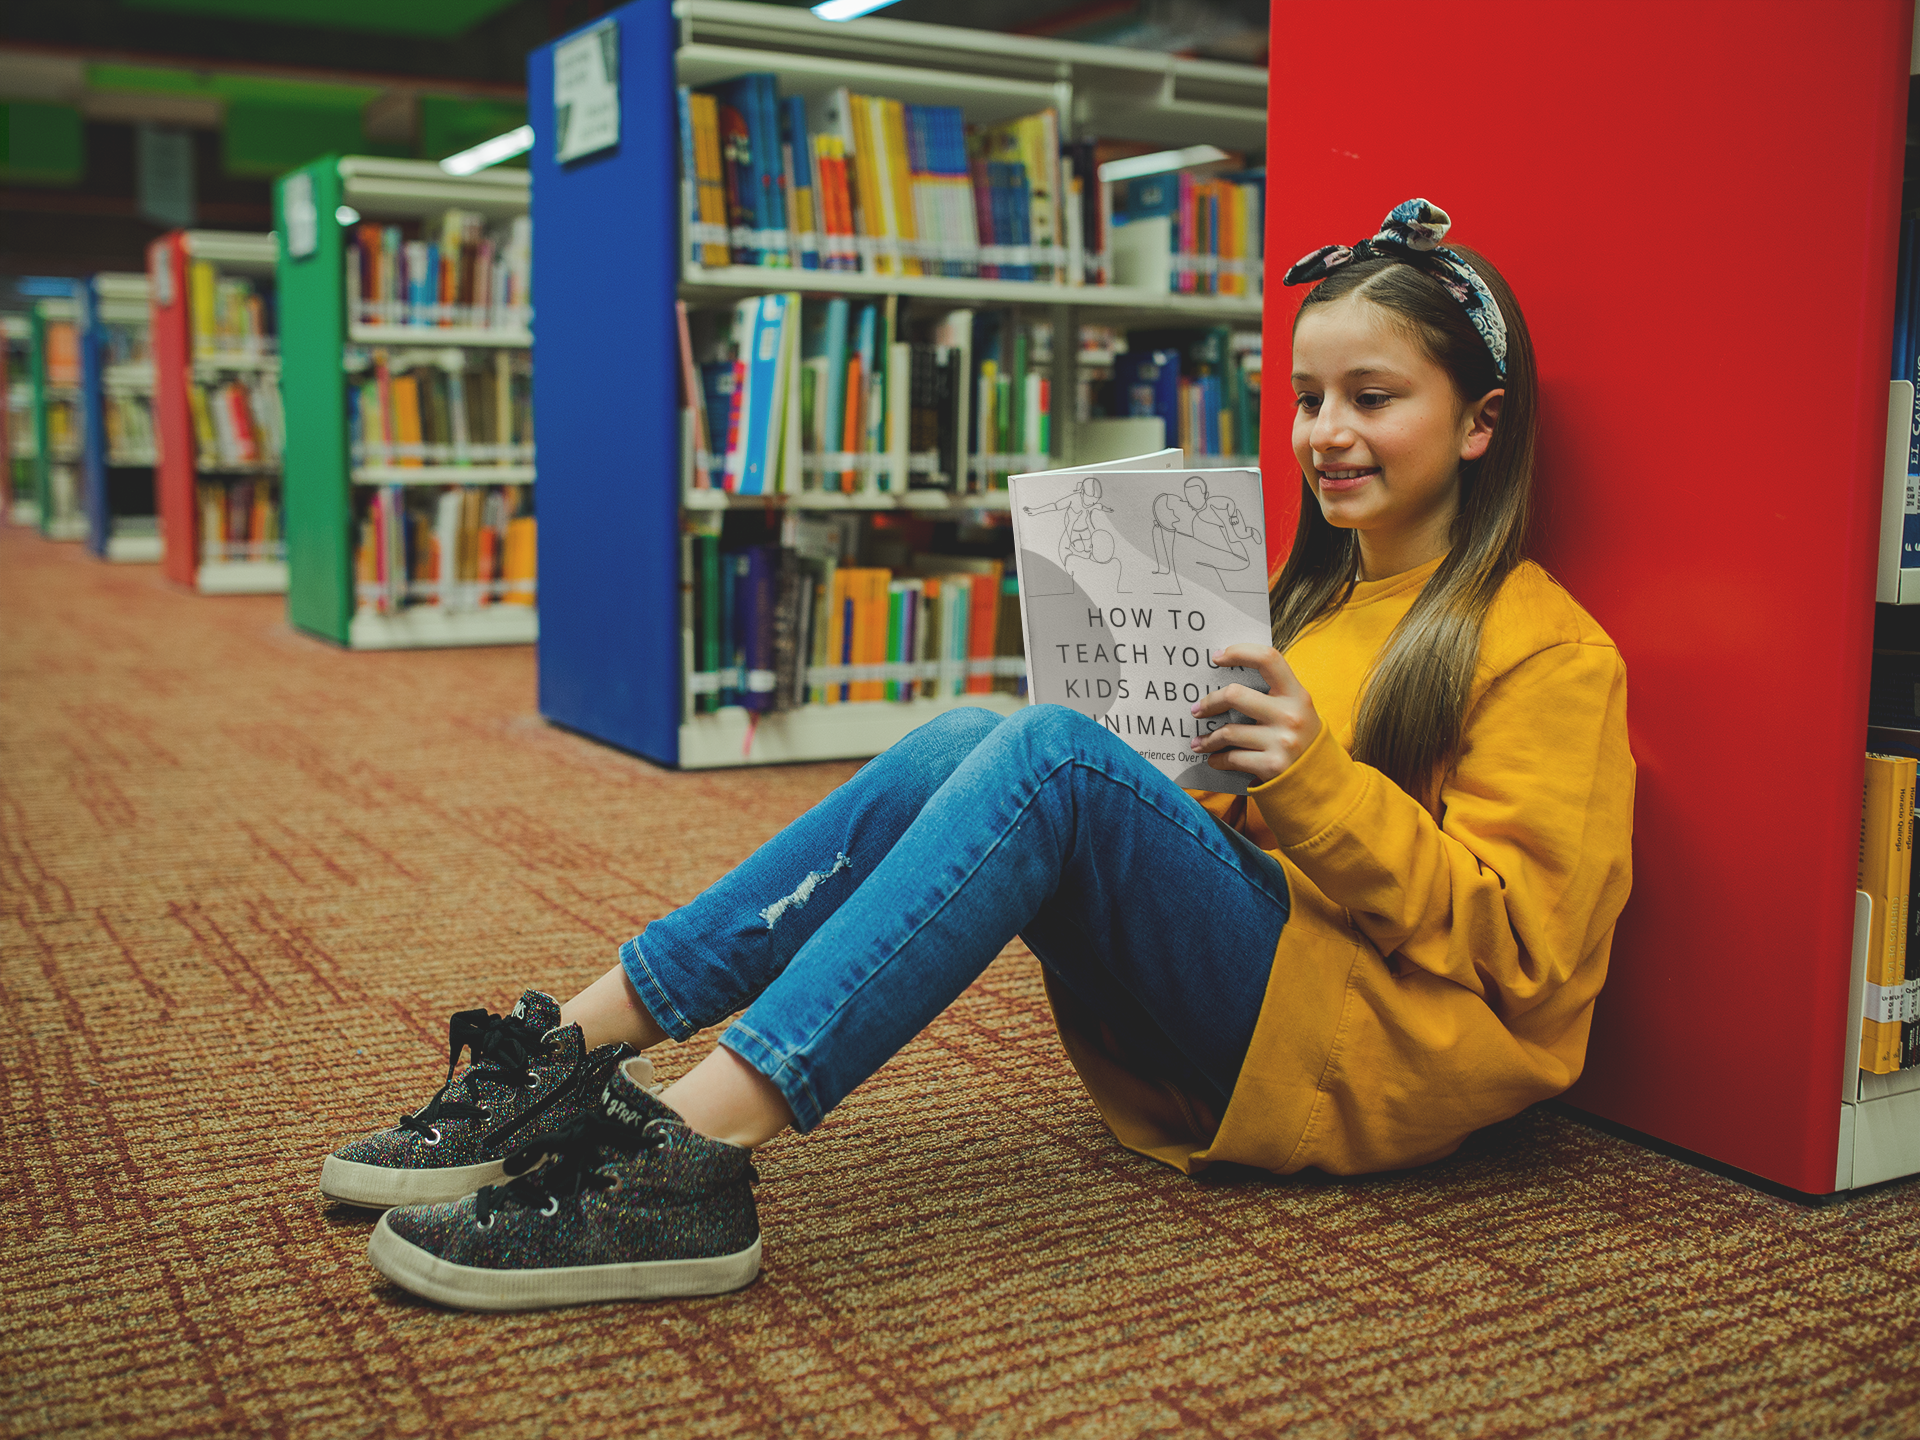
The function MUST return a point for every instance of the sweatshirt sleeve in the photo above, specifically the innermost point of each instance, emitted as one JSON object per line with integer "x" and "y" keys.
{"x": 1528, "y": 864}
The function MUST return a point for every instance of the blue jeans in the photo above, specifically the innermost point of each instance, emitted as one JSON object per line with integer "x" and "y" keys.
{"x": 846, "y": 933}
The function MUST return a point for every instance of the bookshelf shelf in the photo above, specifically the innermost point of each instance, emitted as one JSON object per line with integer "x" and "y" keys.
{"x": 438, "y": 337}
{"x": 117, "y": 434}
{"x": 215, "y": 376}
{"x": 1126, "y": 302}
{"x": 241, "y": 577}
{"x": 815, "y": 732}
{"x": 443, "y": 475}
{"x": 333, "y": 506}
{"x": 931, "y": 502}
{"x": 213, "y": 366}
{"x": 428, "y": 626}
{"x": 134, "y": 378}
{"x": 616, "y": 587}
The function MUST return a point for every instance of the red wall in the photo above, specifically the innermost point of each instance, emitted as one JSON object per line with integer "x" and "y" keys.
{"x": 1697, "y": 203}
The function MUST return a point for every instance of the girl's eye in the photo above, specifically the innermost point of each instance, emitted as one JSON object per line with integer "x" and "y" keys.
{"x": 1372, "y": 399}
{"x": 1309, "y": 402}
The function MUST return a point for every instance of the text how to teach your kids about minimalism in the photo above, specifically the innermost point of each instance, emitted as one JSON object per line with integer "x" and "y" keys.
{"x": 1133, "y": 574}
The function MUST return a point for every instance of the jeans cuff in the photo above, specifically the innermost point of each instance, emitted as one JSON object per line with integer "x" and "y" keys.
{"x": 652, "y": 993}
{"x": 784, "y": 1071}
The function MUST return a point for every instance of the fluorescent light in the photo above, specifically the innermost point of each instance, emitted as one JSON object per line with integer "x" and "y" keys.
{"x": 347, "y": 215}
{"x": 1160, "y": 161}
{"x": 848, "y": 9}
{"x": 490, "y": 152}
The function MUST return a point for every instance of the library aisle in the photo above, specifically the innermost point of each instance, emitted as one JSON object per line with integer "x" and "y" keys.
{"x": 244, "y": 878}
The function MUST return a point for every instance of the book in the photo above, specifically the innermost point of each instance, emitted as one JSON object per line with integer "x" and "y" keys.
{"x": 1130, "y": 580}
{"x": 1885, "y": 874}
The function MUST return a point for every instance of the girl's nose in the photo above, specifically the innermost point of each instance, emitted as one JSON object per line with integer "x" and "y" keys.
{"x": 1330, "y": 430}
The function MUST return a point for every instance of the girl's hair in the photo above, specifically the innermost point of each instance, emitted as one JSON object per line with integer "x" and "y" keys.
{"x": 1413, "y": 707}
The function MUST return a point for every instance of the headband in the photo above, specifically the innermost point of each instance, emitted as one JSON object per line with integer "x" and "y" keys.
{"x": 1411, "y": 234}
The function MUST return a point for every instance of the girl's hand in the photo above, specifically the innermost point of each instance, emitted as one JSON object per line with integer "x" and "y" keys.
{"x": 1285, "y": 720}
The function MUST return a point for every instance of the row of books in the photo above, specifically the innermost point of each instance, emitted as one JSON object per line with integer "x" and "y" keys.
{"x": 826, "y": 395}
{"x": 124, "y": 342}
{"x": 237, "y": 423}
{"x": 773, "y": 629}
{"x": 1206, "y": 390}
{"x": 1191, "y": 233}
{"x": 444, "y": 407}
{"x": 129, "y": 426}
{"x": 460, "y": 548}
{"x": 868, "y": 183}
{"x": 451, "y": 270}
{"x": 230, "y": 317}
{"x": 1890, "y": 1013}
{"x": 240, "y": 520}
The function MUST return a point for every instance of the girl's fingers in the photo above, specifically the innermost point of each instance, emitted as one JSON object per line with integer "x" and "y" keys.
{"x": 1271, "y": 664}
{"x": 1231, "y": 737}
{"x": 1263, "y": 708}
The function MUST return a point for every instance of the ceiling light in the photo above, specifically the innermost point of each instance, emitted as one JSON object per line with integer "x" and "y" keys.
{"x": 347, "y": 215}
{"x": 490, "y": 152}
{"x": 848, "y": 9}
{"x": 1161, "y": 161}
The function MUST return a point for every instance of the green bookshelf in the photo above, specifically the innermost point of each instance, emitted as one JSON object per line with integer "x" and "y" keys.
{"x": 322, "y": 346}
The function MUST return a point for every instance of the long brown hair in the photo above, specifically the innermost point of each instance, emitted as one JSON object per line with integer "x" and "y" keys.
{"x": 1411, "y": 712}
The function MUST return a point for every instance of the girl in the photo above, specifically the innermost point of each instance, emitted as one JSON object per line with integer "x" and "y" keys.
{"x": 1399, "y": 933}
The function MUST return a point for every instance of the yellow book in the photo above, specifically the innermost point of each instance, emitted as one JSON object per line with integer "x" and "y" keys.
{"x": 899, "y": 180}
{"x": 406, "y": 419}
{"x": 710, "y": 180}
{"x": 205, "y": 440}
{"x": 1885, "y": 872}
{"x": 203, "y": 300}
{"x": 518, "y": 569}
{"x": 876, "y": 205}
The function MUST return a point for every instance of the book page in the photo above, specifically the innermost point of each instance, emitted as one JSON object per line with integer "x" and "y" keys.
{"x": 1129, "y": 581}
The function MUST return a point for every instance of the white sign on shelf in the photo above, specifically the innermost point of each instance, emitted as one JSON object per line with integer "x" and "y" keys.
{"x": 586, "y": 92}
{"x": 303, "y": 221}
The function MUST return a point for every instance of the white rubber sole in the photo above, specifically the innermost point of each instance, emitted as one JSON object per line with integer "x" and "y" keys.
{"x": 470, "y": 1287}
{"x": 381, "y": 1187}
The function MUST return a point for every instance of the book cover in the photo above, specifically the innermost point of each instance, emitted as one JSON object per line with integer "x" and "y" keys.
{"x": 1130, "y": 580}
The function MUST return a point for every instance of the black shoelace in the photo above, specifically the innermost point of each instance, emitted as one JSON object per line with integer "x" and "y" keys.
{"x": 504, "y": 1048}
{"x": 573, "y": 1157}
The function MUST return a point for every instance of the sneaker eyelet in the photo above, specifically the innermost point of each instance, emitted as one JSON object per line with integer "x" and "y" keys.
{"x": 486, "y": 1224}
{"x": 553, "y": 1206}
{"x": 434, "y": 1138}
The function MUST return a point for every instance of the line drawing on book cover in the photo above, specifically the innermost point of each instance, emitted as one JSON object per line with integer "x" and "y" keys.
{"x": 1192, "y": 527}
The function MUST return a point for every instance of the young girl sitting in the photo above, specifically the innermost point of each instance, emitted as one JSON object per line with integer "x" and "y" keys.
{"x": 1394, "y": 939}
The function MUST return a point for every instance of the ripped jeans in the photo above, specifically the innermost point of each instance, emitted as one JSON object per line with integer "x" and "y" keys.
{"x": 846, "y": 933}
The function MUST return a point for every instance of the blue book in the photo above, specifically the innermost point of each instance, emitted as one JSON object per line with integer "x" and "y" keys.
{"x": 751, "y": 159}
{"x": 1147, "y": 382}
{"x": 731, "y": 565}
{"x": 766, "y": 342}
{"x": 835, "y": 349}
{"x": 1910, "y": 369}
{"x": 1149, "y": 196}
{"x": 797, "y": 159}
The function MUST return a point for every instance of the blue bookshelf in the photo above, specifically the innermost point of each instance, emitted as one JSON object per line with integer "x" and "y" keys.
{"x": 606, "y": 403}
{"x": 117, "y": 483}
{"x": 610, "y": 260}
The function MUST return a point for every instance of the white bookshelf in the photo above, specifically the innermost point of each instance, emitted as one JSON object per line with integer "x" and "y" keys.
{"x": 433, "y": 337}
{"x": 241, "y": 577}
{"x": 443, "y": 475}
{"x": 1096, "y": 90}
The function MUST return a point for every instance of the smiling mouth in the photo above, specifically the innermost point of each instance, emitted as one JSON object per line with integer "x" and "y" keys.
{"x": 1351, "y": 475}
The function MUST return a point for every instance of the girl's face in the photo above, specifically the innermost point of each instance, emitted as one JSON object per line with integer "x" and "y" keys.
{"x": 1380, "y": 431}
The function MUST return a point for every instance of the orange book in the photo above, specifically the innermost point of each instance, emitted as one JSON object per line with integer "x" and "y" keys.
{"x": 518, "y": 570}
{"x": 366, "y": 567}
{"x": 486, "y": 560}
{"x": 405, "y": 417}
{"x": 872, "y": 635}
{"x": 983, "y": 626}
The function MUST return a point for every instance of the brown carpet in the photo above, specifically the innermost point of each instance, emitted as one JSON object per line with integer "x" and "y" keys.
{"x": 245, "y": 879}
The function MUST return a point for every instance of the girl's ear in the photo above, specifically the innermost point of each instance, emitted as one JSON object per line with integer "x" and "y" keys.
{"x": 1480, "y": 422}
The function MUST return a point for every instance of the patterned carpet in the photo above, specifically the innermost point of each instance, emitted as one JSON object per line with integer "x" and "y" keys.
{"x": 245, "y": 877}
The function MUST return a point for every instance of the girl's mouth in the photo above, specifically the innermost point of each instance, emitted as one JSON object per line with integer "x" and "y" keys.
{"x": 1350, "y": 477}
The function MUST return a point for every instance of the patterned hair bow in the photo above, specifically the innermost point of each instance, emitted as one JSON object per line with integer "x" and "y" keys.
{"x": 1411, "y": 234}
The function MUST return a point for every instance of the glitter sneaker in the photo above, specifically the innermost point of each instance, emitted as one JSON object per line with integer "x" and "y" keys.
{"x": 528, "y": 1076}
{"x": 624, "y": 1204}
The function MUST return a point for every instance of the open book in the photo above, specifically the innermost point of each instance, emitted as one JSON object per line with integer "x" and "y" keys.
{"x": 1132, "y": 573}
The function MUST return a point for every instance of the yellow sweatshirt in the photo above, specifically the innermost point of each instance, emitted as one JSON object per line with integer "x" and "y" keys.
{"x": 1438, "y": 970}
